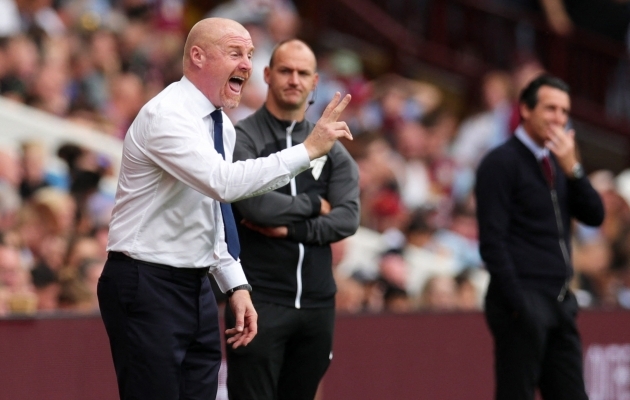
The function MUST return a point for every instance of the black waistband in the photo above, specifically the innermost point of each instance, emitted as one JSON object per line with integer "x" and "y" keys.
{"x": 115, "y": 255}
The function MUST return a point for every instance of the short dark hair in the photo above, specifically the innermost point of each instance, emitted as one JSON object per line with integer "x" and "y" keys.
{"x": 529, "y": 95}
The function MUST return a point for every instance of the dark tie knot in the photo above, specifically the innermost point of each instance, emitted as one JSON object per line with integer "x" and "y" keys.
{"x": 217, "y": 116}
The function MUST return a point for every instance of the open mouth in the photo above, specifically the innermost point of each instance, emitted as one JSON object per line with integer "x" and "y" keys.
{"x": 236, "y": 84}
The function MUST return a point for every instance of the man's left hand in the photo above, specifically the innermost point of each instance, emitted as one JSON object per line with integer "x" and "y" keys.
{"x": 246, "y": 325}
{"x": 270, "y": 231}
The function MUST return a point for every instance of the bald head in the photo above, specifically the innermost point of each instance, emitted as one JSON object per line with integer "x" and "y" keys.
{"x": 293, "y": 46}
{"x": 291, "y": 76}
{"x": 210, "y": 31}
{"x": 217, "y": 60}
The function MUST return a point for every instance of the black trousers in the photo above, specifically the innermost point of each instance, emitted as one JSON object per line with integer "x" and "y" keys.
{"x": 163, "y": 329}
{"x": 539, "y": 347}
{"x": 287, "y": 358}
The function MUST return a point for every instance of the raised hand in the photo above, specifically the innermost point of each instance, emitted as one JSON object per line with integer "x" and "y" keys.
{"x": 325, "y": 208}
{"x": 328, "y": 129}
{"x": 562, "y": 144}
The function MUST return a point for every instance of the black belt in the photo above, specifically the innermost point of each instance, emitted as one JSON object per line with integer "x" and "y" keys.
{"x": 115, "y": 255}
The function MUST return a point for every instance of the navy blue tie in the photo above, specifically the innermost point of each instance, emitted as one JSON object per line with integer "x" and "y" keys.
{"x": 231, "y": 235}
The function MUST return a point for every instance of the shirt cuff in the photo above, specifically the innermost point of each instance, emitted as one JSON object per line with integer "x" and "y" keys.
{"x": 229, "y": 276}
{"x": 316, "y": 204}
{"x": 296, "y": 158}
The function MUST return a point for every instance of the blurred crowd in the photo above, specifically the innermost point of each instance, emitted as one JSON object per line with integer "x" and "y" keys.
{"x": 53, "y": 230}
{"x": 97, "y": 62}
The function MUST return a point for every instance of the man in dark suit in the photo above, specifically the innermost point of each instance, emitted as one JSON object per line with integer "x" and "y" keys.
{"x": 528, "y": 190}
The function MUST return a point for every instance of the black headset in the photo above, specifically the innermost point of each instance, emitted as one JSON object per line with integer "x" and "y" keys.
{"x": 313, "y": 97}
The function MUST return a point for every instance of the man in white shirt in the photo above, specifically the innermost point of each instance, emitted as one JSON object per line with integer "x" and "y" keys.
{"x": 169, "y": 228}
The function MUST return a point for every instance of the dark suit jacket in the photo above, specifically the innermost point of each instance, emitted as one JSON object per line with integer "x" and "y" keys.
{"x": 523, "y": 242}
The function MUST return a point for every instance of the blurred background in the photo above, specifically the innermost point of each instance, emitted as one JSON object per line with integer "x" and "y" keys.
{"x": 434, "y": 86}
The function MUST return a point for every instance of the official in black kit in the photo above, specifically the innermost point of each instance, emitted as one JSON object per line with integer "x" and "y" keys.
{"x": 286, "y": 236}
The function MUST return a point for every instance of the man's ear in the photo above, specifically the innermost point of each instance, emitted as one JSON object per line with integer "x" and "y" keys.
{"x": 524, "y": 111}
{"x": 197, "y": 56}
{"x": 267, "y": 72}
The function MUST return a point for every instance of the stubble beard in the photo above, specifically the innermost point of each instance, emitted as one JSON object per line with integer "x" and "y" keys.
{"x": 230, "y": 102}
{"x": 290, "y": 105}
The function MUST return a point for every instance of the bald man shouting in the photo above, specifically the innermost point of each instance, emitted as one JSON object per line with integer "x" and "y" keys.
{"x": 172, "y": 222}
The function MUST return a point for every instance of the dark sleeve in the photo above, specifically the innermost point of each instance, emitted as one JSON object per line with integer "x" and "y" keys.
{"x": 273, "y": 208}
{"x": 493, "y": 187}
{"x": 343, "y": 195}
{"x": 585, "y": 204}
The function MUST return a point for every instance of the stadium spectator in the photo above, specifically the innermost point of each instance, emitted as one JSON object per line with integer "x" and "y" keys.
{"x": 423, "y": 256}
{"x": 469, "y": 297}
{"x": 350, "y": 296}
{"x": 439, "y": 294}
{"x": 593, "y": 281}
{"x": 412, "y": 172}
{"x": 460, "y": 239}
{"x": 33, "y": 168}
{"x": 15, "y": 284}
{"x": 22, "y": 59}
{"x": 483, "y": 131}
{"x": 89, "y": 272}
{"x": 10, "y": 204}
{"x": 10, "y": 168}
{"x": 607, "y": 18}
{"x": 61, "y": 208}
{"x": 47, "y": 288}
{"x": 397, "y": 300}
{"x": 81, "y": 250}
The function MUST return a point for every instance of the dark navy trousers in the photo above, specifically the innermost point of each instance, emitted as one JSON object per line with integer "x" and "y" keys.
{"x": 538, "y": 347}
{"x": 163, "y": 329}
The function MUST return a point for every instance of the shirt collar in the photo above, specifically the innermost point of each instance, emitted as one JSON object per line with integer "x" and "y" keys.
{"x": 199, "y": 104}
{"x": 539, "y": 152}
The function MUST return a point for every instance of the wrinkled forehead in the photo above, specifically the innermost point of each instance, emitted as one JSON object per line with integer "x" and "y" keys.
{"x": 299, "y": 56}
{"x": 235, "y": 39}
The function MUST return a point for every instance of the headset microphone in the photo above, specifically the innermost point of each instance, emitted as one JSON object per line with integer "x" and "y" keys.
{"x": 314, "y": 97}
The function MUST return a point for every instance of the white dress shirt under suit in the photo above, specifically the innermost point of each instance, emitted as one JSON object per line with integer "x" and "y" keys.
{"x": 172, "y": 179}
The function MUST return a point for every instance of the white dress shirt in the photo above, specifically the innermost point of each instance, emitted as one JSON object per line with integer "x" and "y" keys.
{"x": 172, "y": 179}
{"x": 539, "y": 152}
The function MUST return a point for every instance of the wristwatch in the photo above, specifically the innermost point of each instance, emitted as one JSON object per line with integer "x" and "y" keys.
{"x": 577, "y": 171}
{"x": 246, "y": 286}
